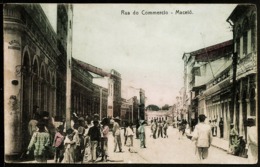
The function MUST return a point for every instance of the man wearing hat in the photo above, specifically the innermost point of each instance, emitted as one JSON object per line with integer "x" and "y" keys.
{"x": 117, "y": 134}
{"x": 203, "y": 137}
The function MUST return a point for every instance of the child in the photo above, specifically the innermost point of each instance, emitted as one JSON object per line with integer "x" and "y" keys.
{"x": 58, "y": 144}
{"x": 129, "y": 135}
{"x": 69, "y": 143}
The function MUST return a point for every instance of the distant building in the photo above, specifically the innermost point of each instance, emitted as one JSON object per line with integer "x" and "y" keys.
{"x": 163, "y": 115}
{"x": 126, "y": 110}
{"x": 116, "y": 78}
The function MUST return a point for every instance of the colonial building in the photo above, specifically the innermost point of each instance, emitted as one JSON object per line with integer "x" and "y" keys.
{"x": 116, "y": 77}
{"x": 204, "y": 68}
{"x": 31, "y": 70}
{"x": 39, "y": 71}
{"x": 87, "y": 98}
{"x": 126, "y": 110}
{"x": 163, "y": 115}
{"x": 243, "y": 21}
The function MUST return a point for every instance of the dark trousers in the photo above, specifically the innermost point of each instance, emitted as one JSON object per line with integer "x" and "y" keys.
{"x": 221, "y": 132}
{"x": 58, "y": 154}
{"x": 160, "y": 132}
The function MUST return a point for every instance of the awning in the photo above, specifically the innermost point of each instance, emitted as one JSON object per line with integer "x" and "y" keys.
{"x": 195, "y": 88}
{"x": 223, "y": 84}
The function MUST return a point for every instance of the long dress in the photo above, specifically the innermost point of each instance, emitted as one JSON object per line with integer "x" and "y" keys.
{"x": 69, "y": 153}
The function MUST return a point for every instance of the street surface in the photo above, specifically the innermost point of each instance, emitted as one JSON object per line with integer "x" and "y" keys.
{"x": 169, "y": 150}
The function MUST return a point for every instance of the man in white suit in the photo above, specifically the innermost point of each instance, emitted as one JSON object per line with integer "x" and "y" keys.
{"x": 203, "y": 137}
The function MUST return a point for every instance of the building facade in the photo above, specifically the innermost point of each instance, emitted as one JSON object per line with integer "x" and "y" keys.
{"x": 243, "y": 20}
{"x": 116, "y": 78}
{"x": 37, "y": 61}
{"x": 208, "y": 79}
{"x": 30, "y": 70}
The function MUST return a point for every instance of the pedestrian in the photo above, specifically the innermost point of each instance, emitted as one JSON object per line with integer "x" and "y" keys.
{"x": 215, "y": 128}
{"x": 233, "y": 139}
{"x": 50, "y": 127}
{"x": 241, "y": 147}
{"x": 81, "y": 147}
{"x": 58, "y": 143}
{"x": 252, "y": 141}
{"x": 130, "y": 135}
{"x": 125, "y": 136}
{"x": 32, "y": 128}
{"x": 212, "y": 127}
{"x": 151, "y": 135}
{"x": 69, "y": 147}
{"x": 160, "y": 128}
{"x": 141, "y": 131}
{"x": 32, "y": 125}
{"x": 117, "y": 134}
{"x": 165, "y": 127}
{"x": 40, "y": 142}
{"x": 137, "y": 126}
{"x": 182, "y": 127}
{"x": 221, "y": 127}
{"x": 76, "y": 138}
{"x": 104, "y": 139}
{"x": 95, "y": 135}
{"x": 152, "y": 128}
{"x": 155, "y": 128}
{"x": 203, "y": 137}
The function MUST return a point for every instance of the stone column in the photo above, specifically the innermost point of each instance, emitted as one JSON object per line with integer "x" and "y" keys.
{"x": 12, "y": 88}
{"x": 225, "y": 120}
{"x": 241, "y": 127}
{"x": 228, "y": 119}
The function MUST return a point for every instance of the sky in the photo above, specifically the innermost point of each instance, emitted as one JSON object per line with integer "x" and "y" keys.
{"x": 146, "y": 50}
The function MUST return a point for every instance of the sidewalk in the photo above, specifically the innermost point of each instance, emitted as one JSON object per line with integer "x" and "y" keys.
{"x": 220, "y": 143}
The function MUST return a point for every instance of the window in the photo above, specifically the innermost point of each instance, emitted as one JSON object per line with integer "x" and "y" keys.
{"x": 253, "y": 25}
{"x": 245, "y": 43}
{"x": 249, "y": 41}
{"x": 240, "y": 50}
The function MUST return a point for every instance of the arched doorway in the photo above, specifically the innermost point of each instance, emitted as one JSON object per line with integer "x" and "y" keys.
{"x": 49, "y": 94}
{"x": 43, "y": 90}
{"x": 26, "y": 86}
{"x": 35, "y": 82}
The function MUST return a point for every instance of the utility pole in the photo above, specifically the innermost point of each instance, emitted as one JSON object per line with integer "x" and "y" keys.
{"x": 142, "y": 104}
{"x": 69, "y": 66}
{"x": 233, "y": 89}
{"x": 234, "y": 65}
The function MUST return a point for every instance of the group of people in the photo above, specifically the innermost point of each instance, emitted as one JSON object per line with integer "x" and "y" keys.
{"x": 159, "y": 128}
{"x": 183, "y": 127}
{"x": 203, "y": 136}
{"x": 213, "y": 124}
{"x": 85, "y": 139}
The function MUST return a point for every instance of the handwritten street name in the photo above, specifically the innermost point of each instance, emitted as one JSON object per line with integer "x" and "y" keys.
{"x": 163, "y": 12}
